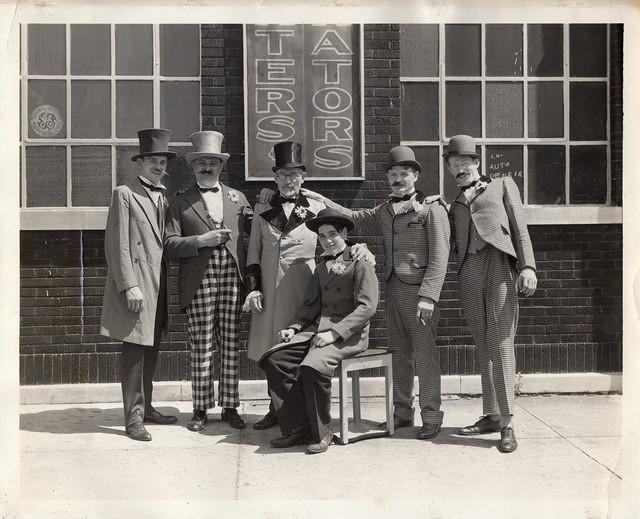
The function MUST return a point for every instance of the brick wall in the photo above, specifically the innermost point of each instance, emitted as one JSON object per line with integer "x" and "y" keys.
{"x": 572, "y": 324}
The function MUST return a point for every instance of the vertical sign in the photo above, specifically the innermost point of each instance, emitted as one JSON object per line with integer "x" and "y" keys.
{"x": 303, "y": 84}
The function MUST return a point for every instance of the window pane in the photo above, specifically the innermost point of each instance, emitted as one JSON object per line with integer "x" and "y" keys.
{"x": 134, "y": 107}
{"x": 546, "y": 174}
{"x": 46, "y": 169}
{"x": 462, "y": 50}
{"x": 504, "y": 49}
{"x": 91, "y": 109}
{"x": 545, "y": 49}
{"x": 506, "y": 161}
{"x": 47, "y": 49}
{"x": 90, "y": 50}
{"x": 180, "y": 108}
{"x": 418, "y": 50}
{"x": 464, "y": 109}
{"x": 504, "y": 105}
{"x": 429, "y": 178}
{"x": 47, "y": 109}
{"x": 588, "y": 119}
{"x": 180, "y": 50}
{"x": 134, "y": 50}
{"x": 126, "y": 169}
{"x": 419, "y": 118}
{"x": 451, "y": 190}
{"x": 588, "y": 175}
{"x": 588, "y": 50}
{"x": 90, "y": 176}
{"x": 546, "y": 109}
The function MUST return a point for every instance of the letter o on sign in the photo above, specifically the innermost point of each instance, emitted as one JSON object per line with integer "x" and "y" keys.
{"x": 332, "y": 100}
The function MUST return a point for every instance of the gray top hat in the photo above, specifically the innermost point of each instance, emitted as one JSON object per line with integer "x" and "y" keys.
{"x": 403, "y": 156}
{"x": 154, "y": 141}
{"x": 206, "y": 144}
{"x": 461, "y": 145}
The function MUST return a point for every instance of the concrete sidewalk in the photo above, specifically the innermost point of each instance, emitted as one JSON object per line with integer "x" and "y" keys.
{"x": 77, "y": 462}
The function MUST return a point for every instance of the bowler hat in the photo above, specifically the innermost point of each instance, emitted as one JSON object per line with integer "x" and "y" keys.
{"x": 154, "y": 141}
{"x": 461, "y": 145}
{"x": 288, "y": 154}
{"x": 403, "y": 156}
{"x": 330, "y": 216}
{"x": 206, "y": 144}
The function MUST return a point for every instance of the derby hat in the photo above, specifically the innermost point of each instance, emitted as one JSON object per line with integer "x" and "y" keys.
{"x": 154, "y": 141}
{"x": 461, "y": 145}
{"x": 288, "y": 154}
{"x": 403, "y": 156}
{"x": 206, "y": 144}
{"x": 330, "y": 216}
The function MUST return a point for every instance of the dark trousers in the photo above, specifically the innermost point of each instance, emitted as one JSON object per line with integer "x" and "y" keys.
{"x": 301, "y": 396}
{"x": 138, "y": 363}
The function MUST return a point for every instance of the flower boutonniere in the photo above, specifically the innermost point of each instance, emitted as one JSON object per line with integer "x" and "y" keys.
{"x": 336, "y": 267}
{"x": 233, "y": 196}
{"x": 301, "y": 212}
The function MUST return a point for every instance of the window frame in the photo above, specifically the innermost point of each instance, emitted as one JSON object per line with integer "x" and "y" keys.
{"x": 537, "y": 213}
{"x": 86, "y": 217}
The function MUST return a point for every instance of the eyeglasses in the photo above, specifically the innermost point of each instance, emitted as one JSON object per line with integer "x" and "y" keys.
{"x": 294, "y": 175}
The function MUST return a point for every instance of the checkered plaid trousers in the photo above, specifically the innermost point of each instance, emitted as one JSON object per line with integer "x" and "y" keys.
{"x": 214, "y": 313}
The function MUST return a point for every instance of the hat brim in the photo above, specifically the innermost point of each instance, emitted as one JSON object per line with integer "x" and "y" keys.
{"x": 291, "y": 165}
{"x": 224, "y": 157}
{"x": 168, "y": 154}
{"x": 413, "y": 163}
{"x": 448, "y": 154}
{"x": 340, "y": 221}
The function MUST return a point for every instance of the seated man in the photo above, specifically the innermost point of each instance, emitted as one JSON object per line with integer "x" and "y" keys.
{"x": 343, "y": 296}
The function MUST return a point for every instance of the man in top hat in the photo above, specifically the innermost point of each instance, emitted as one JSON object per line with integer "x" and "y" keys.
{"x": 134, "y": 309}
{"x": 494, "y": 257}
{"x": 205, "y": 231}
{"x": 281, "y": 256}
{"x": 341, "y": 298}
{"x": 415, "y": 232}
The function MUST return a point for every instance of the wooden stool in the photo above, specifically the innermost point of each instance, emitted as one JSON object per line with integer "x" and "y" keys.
{"x": 365, "y": 360}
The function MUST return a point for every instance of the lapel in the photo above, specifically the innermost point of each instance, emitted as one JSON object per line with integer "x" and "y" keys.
{"x": 141, "y": 197}
{"x": 300, "y": 214}
{"x": 327, "y": 276}
{"x": 228, "y": 206}
{"x": 199, "y": 207}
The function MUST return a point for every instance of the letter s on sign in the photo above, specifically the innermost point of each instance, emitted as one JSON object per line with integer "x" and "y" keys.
{"x": 333, "y": 156}
{"x": 275, "y": 128}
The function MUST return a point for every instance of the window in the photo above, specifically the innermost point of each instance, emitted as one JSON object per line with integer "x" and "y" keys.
{"x": 86, "y": 90}
{"x": 535, "y": 96}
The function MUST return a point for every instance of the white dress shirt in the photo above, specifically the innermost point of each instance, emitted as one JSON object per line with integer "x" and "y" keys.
{"x": 213, "y": 201}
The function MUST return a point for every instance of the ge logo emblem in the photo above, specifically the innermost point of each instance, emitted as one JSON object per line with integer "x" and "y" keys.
{"x": 46, "y": 121}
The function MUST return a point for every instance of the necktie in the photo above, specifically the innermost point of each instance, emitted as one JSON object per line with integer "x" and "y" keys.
{"x": 481, "y": 179}
{"x": 404, "y": 198}
{"x": 205, "y": 189}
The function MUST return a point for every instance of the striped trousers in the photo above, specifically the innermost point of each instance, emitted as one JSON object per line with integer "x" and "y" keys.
{"x": 414, "y": 350}
{"x": 490, "y": 304}
{"x": 214, "y": 314}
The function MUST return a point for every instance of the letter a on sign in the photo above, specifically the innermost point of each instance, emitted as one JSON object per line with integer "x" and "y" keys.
{"x": 332, "y": 41}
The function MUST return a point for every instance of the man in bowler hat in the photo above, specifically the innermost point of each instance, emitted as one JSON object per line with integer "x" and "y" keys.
{"x": 415, "y": 232}
{"x": 495, "y": 259}
{"x": 135, "y": 297}
{"x": 331, "y": 325}
{"x": 205, "y": 231}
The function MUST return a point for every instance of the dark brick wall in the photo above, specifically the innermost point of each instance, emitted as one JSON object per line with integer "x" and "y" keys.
{"x": 572, "y": 324}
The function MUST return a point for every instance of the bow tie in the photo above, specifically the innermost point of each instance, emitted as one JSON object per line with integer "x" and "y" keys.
{"x": 205, "y": 189}
{"x": 151, "y": 187}
{"x": 329, "y": 257}
{"x": 287, "y": 200}
{"x": 481, "y": 179}
{"x": 404, "y": 198}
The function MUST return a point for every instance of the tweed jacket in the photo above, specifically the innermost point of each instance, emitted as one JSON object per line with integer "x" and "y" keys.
{"x": 133, "y": 250}
{"x": 342, "y": 298}
{"x": 187, "y": 218}
{"x": 416, "y": 241}
{"x": 498, "y": 215}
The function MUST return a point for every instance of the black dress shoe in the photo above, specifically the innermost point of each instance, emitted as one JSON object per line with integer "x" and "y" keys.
{"x": 508, "y": 441}
{"x": 137, "y": 432}
{"x": 483, "y": 426}
{"x": 322, "y": 445}
{"x": 269, "y": 420}
{"x": 299, "y": 437}
{"x": 154, "y": 416}
{"x": 198, "y": 420}
{"x": 231, "y": 416}
{"x": 428, "y": 431}
{"x": 397, "y": 422}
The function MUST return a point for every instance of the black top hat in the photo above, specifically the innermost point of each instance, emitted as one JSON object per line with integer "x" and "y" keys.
{"x": 330, "y": 216}
{"x": 154, "y": 141}
{"x": 403, "y": 156}
{"x": 288, "y": 155}
{"x": 461, "y": 145}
